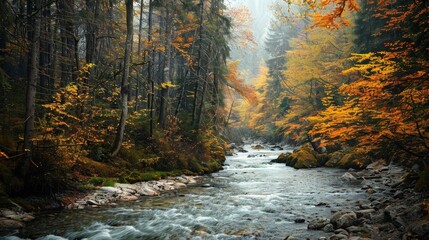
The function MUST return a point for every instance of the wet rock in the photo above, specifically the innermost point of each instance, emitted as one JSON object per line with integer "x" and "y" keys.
{"x": 370, "y": 191}
{"x": 318, "y": 223}
{"x": 366, "y": 213}
{"x": 348, "y": 160}
{"x": 242, "y": 150}
{"x": 338, "y": 237}
{"x": 6, "y": 223}
{"x": 348, "y": 177}
{"x": 359, "y": 238}
{"x": 377, "y": 165}
{"x": 290, "y": 238}
{"x": 179, "y": 185}
{"x": 341, "y": 231}
{"x": 299, "y": 220}
{"x": 328, "y": 228}
{"x": 357, "y": 230}
{"x": 258, "y": 147}
{"x": 321, "y": 204}
{"x": 91, "y": 202}
{"x": 282, "y": 158}
{"x": 421, "y": 228}
{"x": 128, "y": 198}
{"x": 206, "y": 185}
{"x": 343, "y": 219}
{"x": 303, "y": 157}
{"x": 110, "y": 190}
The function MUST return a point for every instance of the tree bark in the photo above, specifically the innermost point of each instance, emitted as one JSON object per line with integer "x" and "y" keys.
{"x": 195, "y": 122}
{"x": 125, "y": 82}
{"x": 33, "y": 72}
{"x": 139, "y": 53}
{"x": 151, "y": 94}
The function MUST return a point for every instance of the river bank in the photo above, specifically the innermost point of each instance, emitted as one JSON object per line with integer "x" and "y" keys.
{"x": 252, "y": 198}
{"x": 391, "y": 210}
{"x": 11, "y": 220}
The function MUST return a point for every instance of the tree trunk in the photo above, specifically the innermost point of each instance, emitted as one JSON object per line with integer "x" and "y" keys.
{"x": 197, "y": 83}
{"x": 139, "y": 53}
{"x": 33, "y": 71}
{"x": 125, "y": 83}
{"x": 65, "y": 10}
{"x": 151, "y": 94}
{"x": 167, "y": 67}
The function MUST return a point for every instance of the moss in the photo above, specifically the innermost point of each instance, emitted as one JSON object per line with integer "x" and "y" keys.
{"x": 100, "y": 181}
{"x": 110, "y": 182}
{"x": 303, "y": 157}
{"x": 334, "y": 158}
{"x": 96, "y": 181}
{"x": 305, "y": 160}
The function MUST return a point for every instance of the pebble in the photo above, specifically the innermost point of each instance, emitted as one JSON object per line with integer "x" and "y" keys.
{"x": 131, "y": 192}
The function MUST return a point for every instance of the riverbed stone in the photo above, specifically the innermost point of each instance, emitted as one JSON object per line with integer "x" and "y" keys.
{"x": 343, "y": 219}
{"x": 282, "y": 158}
{"x": 6, "y": 223}
{"x": 318, "y": 223}
{"x": 338, "y": 236}
{"x": 328, "y": 228}
{"x": 365, "y": 213}
{"x": 111, "y": 190}
{"x": 303, "y": 157}
{"x": 348, "y": 177}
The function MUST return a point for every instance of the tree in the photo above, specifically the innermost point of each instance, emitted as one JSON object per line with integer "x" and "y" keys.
{"x": 125, "y": 81}
{"x": 33, "y": 73}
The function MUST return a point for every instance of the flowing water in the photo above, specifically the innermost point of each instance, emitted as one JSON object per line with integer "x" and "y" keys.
{"x": 250, "y": 199}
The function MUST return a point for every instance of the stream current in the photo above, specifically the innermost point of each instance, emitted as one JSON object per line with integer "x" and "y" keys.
{"x": 250, "y": 199}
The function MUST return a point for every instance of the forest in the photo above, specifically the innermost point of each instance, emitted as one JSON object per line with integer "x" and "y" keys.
{"x": 97, "y": 92}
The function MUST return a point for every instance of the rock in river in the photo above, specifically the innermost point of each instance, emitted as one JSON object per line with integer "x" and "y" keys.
{"x": 343, "y": 219}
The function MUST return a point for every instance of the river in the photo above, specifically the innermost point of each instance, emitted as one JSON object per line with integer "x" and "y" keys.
{"x": 250, "y": 199}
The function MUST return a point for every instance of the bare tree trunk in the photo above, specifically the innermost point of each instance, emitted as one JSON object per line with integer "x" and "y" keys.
{"x": 65, "y": 11}
{"x": 167, "y": 66}
{"x": 139, "y": 53}
{"x": 151, "y": 94}
{"x": 197, "y": 83}
{"x": 125, "y": 82}
{"x": 33, "y": 72}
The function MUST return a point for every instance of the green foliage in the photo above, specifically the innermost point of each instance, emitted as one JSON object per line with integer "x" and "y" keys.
{"x": 134, "y": 176}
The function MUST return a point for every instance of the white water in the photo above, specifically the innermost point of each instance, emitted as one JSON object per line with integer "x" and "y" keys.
{"x": 250, "y": 199}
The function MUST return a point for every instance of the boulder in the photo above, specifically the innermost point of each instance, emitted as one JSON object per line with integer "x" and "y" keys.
{"x": 299, "y": 220}
{"x": 282, "y": 158}
{"x": 303, "y": 157}
{"x": 377, "y": 165}
{"x": 110, "y": 190}
{"x": 328, "y": 228}
{"x": 318, "y": 223}
{"x": 258, "y": 147}
{"x": 343, "y": 219}
{"x": 335, "y": 157}
{"x": 348, "y": 177}
{"x": 346, "y": 160}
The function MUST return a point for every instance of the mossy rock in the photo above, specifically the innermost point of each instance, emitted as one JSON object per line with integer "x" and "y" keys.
{"x": 303, "y": 157}
{"x": 334, "y": 159}
{"x": 348, "y": 160}
{"x": 258, "y": 147}
{"x": 282, "y": 158}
